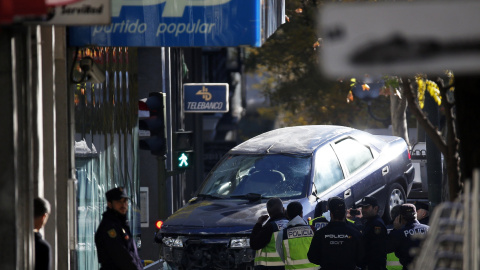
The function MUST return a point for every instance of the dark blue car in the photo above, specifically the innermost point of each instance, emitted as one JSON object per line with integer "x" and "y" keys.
{"x": 305, "y": 164}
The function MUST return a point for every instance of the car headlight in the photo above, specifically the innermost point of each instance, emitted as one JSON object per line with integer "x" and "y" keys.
{"x": 173, "y": 242}
{"x": 240, "y": 243}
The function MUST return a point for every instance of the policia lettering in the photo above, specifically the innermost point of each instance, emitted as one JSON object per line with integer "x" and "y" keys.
{"x": 299, "y": 232}
{"x": 337, "y": 238}
{"x": 415, "y": 231}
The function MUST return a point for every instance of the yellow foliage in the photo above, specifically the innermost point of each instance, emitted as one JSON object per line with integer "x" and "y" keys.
{"x": 431, "y": 87}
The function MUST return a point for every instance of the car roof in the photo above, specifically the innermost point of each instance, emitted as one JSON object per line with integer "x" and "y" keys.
{"x": 292, "y": 140}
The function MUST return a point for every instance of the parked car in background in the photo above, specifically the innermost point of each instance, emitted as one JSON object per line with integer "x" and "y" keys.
{"x": 303, "y": 163}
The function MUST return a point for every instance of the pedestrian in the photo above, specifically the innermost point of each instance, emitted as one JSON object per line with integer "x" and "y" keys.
{"x": 401, "y": 240}
{"x": 294, "y": 241}
{"x": 43, "y": 253}
{"x": 375, "y": 236}
{"x": 263, "y": 237}
{"x": 115, "y": 246}
{"x": 319, "y": 219}
{"x": 338, "y": 245}
{"x": 423, "y": 212}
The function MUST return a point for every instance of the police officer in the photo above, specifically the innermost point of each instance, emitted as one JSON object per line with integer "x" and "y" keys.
{"x": 294, "y": 241}
{"x": 115, "y": 246}
{"x": 401, "y": 239}
{"x": 393, "y": 262}
{"x": 423, "y": 214}
{"x": 337, "y": 246}
{"x": 375, "y": 236}
{"x": 319, "y": 219}
{"x": 263, "y": 237}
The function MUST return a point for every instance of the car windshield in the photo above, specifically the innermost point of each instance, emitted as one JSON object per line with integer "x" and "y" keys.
{"x": 284, "y": 176}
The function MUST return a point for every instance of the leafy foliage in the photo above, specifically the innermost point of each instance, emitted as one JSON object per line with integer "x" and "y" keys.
{"x": 296, "y": 89}
{"x": 432, "y": 88}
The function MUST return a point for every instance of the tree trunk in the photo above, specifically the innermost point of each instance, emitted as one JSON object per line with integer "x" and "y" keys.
{"x": 467, "y": 95}
{"x": 398, "y": 108}
{"x": 448, "y": 147}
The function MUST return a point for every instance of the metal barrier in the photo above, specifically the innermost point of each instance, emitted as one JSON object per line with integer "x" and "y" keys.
{"x": 452, "y": 242}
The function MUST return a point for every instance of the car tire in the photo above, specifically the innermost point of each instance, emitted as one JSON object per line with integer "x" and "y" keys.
{"x": 395, "y": 196}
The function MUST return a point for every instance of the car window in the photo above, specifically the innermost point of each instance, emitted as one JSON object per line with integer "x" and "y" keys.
{"x": 353, "y": 153}
{"x": 274, "y": 175}
{"x": 327, "y": 169}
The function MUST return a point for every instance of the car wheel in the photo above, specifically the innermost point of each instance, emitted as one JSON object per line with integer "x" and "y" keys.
{"x": 396, "y": 196}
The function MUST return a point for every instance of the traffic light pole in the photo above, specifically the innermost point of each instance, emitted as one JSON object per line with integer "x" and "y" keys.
{"x": 169, "y": 125}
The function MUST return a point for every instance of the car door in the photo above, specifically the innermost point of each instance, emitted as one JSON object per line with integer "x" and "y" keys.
{"x": 329, "y": 177}
{"x": 363, "y": 175}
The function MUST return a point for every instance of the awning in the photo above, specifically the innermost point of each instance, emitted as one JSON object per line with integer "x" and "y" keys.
{"x": 20, "y": 10}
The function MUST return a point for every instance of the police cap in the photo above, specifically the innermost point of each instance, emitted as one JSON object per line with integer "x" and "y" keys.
{"x": 408, "y": 210}
{"x": 422, "y": 205}
{"x": 366, "y": 201}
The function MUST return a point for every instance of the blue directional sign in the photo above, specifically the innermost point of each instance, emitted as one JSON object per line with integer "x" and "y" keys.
{"x": 183, "y": 23}
{"x": 205, "y": 97}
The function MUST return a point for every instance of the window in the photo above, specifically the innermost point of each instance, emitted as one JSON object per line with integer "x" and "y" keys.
{"x": 106, "y": 143}
{"x": 327, "y": 169}
{"x": 284, "y": 176}
{"x": 353, "y": 153}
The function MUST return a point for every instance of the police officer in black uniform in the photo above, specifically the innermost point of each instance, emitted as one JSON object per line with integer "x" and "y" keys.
{"x": 375, "y": 235}
{"x": 263, "y": 237}
{"x": 338, "y": 245}
{"x": 115, "y": 246}
{"x": 401, "y": 239}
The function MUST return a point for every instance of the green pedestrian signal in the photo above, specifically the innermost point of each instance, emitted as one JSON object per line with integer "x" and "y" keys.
{"x": 183, "y": 157}
{"x": 184, "y": 160}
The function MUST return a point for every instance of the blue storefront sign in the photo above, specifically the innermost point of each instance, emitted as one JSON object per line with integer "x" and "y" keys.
{"x": 183, "y": 23}
{"x": 205, "y": 97}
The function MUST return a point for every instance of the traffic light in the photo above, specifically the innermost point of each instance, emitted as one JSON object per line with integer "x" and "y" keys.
{"x": 183, "y": 150}
{"x": 151, "y": 124}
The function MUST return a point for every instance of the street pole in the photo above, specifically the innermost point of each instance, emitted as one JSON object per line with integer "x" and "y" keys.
{"x": 434, "y": 162}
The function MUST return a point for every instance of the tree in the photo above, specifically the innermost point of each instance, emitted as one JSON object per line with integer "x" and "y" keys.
{"x": 389, "y": 87}
{"x": 449, "y": 145}
{"x": 299, "y": 94}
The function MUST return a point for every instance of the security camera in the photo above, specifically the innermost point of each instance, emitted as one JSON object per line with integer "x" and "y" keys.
{"x": 93, "y": 73}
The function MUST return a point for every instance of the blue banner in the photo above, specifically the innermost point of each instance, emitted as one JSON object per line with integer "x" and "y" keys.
{"x": 205, "y": 97}
{"x": 176, "y": 23}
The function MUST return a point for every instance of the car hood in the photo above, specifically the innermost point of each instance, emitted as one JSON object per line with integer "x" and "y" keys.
{"x": 205, "y": 216}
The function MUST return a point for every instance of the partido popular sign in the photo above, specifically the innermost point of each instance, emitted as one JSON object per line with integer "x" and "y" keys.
{"x": 176, "y": 23}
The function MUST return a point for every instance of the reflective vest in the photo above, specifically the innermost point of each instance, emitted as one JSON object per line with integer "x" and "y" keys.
{"x": 318, "y": 222}
{"x": 393, "y": 263}
{"x": 295, "y": 244}
{"x": 268, "y": 255}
